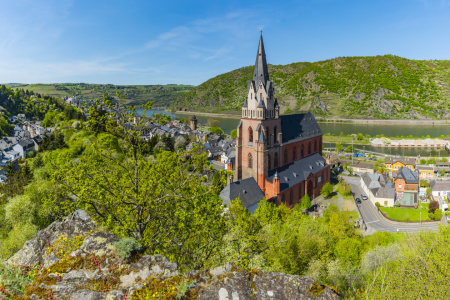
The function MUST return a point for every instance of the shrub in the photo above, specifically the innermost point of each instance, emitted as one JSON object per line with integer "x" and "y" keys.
{"x": 127, "y": 247}
{"x": 433, "y": 206}
{"x": 306, "y": 202}
{"x": 327, "y": 190}
{"x": 377, "y": 204}
{"x": 438, "y": 214}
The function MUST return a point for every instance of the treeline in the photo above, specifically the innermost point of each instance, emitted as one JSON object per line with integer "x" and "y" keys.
{"x": 34, "y": 105}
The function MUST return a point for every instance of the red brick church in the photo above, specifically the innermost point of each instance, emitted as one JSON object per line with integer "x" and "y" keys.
{"x": 279, "y": 155}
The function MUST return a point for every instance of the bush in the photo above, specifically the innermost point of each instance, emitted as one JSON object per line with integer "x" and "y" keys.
{"x": 216, "y": 130}
{"x": 377, "y": 204}
{"x": 127, "y": 247}
{"x": 306, "y": 202}
{"x": 433, "y": 206}
{"x": 327, "y": 190}
{"x": 233, "y": 134}
{"x": 438, "y": 214}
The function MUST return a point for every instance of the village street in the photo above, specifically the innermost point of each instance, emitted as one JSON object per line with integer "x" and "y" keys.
{"x": 375, "y": 221}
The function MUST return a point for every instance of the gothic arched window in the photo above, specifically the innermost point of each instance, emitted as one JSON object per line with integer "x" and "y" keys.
{"x": 275, "y": 135}
{"x": 250, "y": 161}
{"x": 268, "y": 136}
{"x": 299, "y": 192}
{"x": 315, "y": 146}
{"x": 269, "y": 161}
{"x": 301, "y": 151}
{"x": 285, "y": 156}
{"x": 294, "y": 155}
{"x": 250, "y": 135}
{"x": 309, "y": 148}
{"x": 275, "y": 160}
{"x": 282, "y": 198}
{"x": 291, "y": 197}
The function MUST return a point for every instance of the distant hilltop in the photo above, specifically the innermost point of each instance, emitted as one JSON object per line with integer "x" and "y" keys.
{"x": 380, "y": 87}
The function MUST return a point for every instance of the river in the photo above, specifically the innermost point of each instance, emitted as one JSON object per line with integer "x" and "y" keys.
{"x": 434, "y": 131}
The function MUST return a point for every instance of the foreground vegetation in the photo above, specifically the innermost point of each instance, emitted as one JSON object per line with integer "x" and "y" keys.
{"x": 381, "y": 87}
{"x": 167, "y": 202}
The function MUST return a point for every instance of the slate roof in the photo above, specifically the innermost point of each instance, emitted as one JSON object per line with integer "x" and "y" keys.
{"x": 299, "y": 127}
{"x": 408, "y": 175}
{"x": 384, "y": 192}
{"x": 298, "y": 171}
{"x": 440, "y": 185}
{"x": 261, "y": 72}
{"x": 26, "y": 143}
{"x": 247, "y": 190}
{"x": 403, "y": 160}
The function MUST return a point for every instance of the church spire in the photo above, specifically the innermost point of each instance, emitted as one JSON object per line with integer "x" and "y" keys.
{"x": 261, "y": 73}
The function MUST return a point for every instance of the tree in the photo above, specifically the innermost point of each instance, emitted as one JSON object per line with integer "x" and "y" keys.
{"x": 233, "y": 134}
{"x": 306, "y": 201}
{"x": 212, "y": 123}
{"x": 338, "y": 147}
{"x": 360, "y": 137}
{"x": 379, "y": 167}
{"x": 350, "y": 148}
{"x": 166, "y": 207}
{"x": 216, "y": 130}
{"x": 433, "y": 206}
{"x": 327, "y": 190}
{"x": 423, "y": 161}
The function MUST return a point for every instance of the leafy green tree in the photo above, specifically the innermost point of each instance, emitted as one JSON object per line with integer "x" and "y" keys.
{"x": 338, "y": 147}
{"x": 165, "y": 207}
{"x": 233, "y": 134}
{"x": 379, "y": 167}
{"x": 306, "y": 201}
{"x": 350, "y": 148}
{"x": 213, "y": 123}
{"x": 327, "y": 190}
{"x": 360, "y": 137}
{"x": 216, "y": 130}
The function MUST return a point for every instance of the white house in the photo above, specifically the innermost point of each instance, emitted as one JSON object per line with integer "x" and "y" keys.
{"x": 377, "y": 189}
{"x": 440, "y": 188}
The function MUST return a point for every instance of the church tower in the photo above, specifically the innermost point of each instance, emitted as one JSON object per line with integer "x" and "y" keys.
{"x": 259, "y": 132}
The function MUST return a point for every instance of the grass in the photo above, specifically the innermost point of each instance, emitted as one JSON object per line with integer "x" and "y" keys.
{"x": 353, "y": 215}
{"x": 406, "y": 214}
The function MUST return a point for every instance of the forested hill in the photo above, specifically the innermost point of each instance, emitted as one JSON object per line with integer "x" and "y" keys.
{"x": 161, "y": 95}
{"x": 380, "y": 87}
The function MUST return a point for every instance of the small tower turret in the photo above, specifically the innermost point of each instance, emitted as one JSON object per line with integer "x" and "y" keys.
{"x": 193, "y": 122}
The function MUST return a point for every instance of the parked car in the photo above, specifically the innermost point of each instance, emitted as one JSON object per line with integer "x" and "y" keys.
{"x": 358, "y": 201}
{"x": 364, "y": 196}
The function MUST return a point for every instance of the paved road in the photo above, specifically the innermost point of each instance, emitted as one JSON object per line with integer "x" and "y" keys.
{"x": 376, "y": 221}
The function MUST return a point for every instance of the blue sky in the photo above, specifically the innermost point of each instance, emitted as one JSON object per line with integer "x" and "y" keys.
{"x": 160, "y": 42}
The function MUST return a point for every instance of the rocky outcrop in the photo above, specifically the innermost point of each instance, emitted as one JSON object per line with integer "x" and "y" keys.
{"x": 76, "y": 224}
{"x": 93, "y": 271}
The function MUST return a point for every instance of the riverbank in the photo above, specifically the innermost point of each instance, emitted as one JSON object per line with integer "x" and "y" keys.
{"x": 221, "y": 115}
{"x": 333, "y": 120}
{"x": 384, "y": 122}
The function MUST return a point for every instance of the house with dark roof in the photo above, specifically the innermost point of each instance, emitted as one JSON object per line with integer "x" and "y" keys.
{"x": 247, "y": 190}
{"x": 406, "y": 187}
{"x": 283, "y": 154}
{"x": 394, "y": 163}
{"x": 378, "y": 189}
{"x": 440, "y": 188}
{"x": 24, "y": 147}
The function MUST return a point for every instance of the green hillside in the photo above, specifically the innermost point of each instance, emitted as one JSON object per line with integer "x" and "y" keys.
{"x": 381, "y": 87}
{"x": 161, "y": 95}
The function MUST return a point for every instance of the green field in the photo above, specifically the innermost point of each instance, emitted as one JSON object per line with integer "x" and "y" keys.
{"x": 407, "y": 214}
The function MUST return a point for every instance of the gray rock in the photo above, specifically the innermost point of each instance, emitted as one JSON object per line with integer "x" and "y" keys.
{"x": 87, "y": 295}
{"x": 50, "y": 260}
{"x": 264, "y": 285}
{"x": 33, "y": 251}
{"x": 99, "y": 243}
{"x": 115, "y": 295}
{"x": 219, "y": 271}
{"x": 75, "y": 275}
{"x": 130, "y": 279}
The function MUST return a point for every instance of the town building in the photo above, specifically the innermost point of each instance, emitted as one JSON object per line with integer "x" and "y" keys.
{"x": 406, "y": 187}
{"x": 283, "y": 154}
{"x": 378, "y": 189}
{"x": 395, "y": 163}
